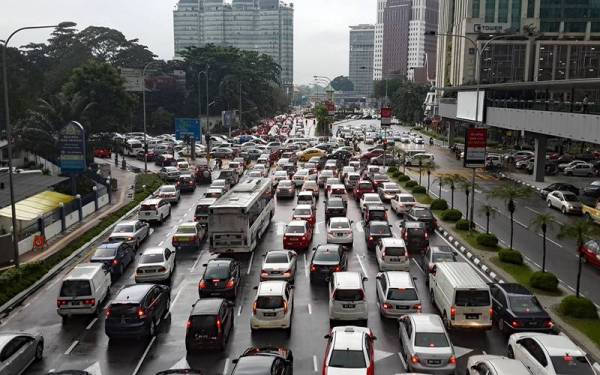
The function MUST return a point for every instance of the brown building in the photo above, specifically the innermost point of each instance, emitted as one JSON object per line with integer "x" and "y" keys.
{"x": 396, "y": 19}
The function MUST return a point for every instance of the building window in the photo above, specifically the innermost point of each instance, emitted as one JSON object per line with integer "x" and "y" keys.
{"x": 490, "y": 11}
{"x": 549, "y": 27}
{"x": 516, "y": 15}
{"x": 503, "y": 11}
{"x": 530, "y": 8}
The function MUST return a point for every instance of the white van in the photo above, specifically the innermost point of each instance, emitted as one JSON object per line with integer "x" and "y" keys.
{"x": 347, "y": 297}
{"x": 132, "y": 147}
{"x": 424, "y": 158}
{"x": 83, "y": 290}
{"x": 461, "y": 295}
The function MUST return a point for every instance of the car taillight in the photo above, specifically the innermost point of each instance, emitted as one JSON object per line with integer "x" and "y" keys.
{"x": 254, "y": 308}
{"x": 417, "y": 307}
{"x": 491, "y": 313}
{"x": 426, "y": 235}
{"x": 264, "y": 274}
{"x": 141, "y": 313}
{"x": 303, "y": 238}
{"x": 202, "y": 284}
{"x": 130, "y": 238}
{"x": 162, "y": 269}
{"x": 415, "y": 359}
{"x": 313, "y": 268}
{"x": 370, "y": 238}
{"x": 516, "y": 324}
{"x": 549, "y": 324}
{"x": 115, "y": 262}
{"x": 452, "y": 312}
{"x": 108, "y": 312}
{"x": 287, "y": 272}
{"x": 285, "y": 307}
{"x": 229, "y": 284}
{"x": 219, "y": 325}
{"x": 452, "y": 360}
{"x": 387, "y": 306}
{"x": 60, "y": 302}
{"x": 405, "y": 235}
{"x": 337, "y": 269}
{"x": 188, "y": 325}
{"x": 90, "y": 302}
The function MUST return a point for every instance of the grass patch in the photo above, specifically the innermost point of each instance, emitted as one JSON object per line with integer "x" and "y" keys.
{"x": 15, "y": 280}
{"x": 589, "y": 327}
{"x": 423, "y": 198}
{"x": 522, "y": 274}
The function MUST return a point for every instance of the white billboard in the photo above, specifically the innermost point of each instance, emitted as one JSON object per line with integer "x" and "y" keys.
{"x": 466, "y": 104}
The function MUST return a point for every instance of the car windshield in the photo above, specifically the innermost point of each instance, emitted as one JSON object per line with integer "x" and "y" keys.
{"x": 569, "y": 365}
{"x": 206, "y": 324}
{"x": 402, "y": 294}
{"x": 391, "y": 187}
{"x": 377, "y": 215}
{"x": 269, "y": 302}
{"x": 120, "y": 310}
{"x": 302, "y": 172}
{"x": 74, "y": 288}
{"x": 469, "y": 298}
{"x": 407, "y": 199}
{"x": 442, "y": 257}
{"x": 524, "y": 304}
{"x": 303, "y": 211}
{"x": 416, "y": 232}
{"x": 347, "y": 359}
{"x": 216, "y": 271}
{"x": 570, "y": 197}
{"x": 373, "y": 198}
{"x": 186, "y": 230}
{"x": 395, "y": 251}
{"x": 421, "y": 213}
{"x": 148, "y": 207}
{"x": 335, "y": 203}
{"x": 326, "y": 256}
{"x": 294, "y": 229}
{"x": 365, "y": 186}
{"x": 431, "y": 340}
{"x": 285, "y": 184}
{"x": 123, "y": 228}
{"x": 281, "y": 174}
{"x": 340, "y": 225}
{"x": 348, "y": 295}
{"x": 167, "y": 189}
{"x": 276, "y": 258}
{"x": 380, "y": 229}
{"x": 105, "y": 253}
{"x": 152, "y": 258}
{"x": 202, "y": 209}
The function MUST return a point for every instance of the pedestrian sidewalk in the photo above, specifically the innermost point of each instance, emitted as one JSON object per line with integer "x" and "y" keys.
{"x": 528, "y": 180}
{"x": 119, "y": 199}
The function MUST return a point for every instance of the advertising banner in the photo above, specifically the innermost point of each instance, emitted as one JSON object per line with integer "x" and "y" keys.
{"x": 386, "y": 116}
{"x": 475, "y": 145}
{"x": 190, "y": 127}
{"x": 72, "y": 148}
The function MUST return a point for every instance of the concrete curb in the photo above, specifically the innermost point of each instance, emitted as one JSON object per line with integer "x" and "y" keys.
{"x": 507, "y": 177}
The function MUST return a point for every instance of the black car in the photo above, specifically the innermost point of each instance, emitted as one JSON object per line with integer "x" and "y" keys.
{"x": 422, "y": 214}
{"x": 186, "y": 183}
{"x": 341, "y": 154}
{"x": 221, "y": 278}
{"x": 335, "y": 207}
{"x": 182, "y": 371}
{"x": 592, "y": 190}
{"x": 116, "y": 256}
{"x": 517, "y": 309}
{"x": 414, "y": 234}
{"x": 558, "y": 186}
{"x": 264, "y": 361}
{"x": 137, "y": 310}
{"x": 210, "y": 325}
{"x": 325, "y": 260}
{"x": 374, "y": 230}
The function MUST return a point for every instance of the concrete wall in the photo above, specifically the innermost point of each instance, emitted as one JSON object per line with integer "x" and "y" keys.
{"x": 27, "y": 244}
{"x": 53, "y": 229}
{"x": 88, "y": 209}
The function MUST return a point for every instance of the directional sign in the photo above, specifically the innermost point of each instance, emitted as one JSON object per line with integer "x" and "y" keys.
{"x": 475, "y": 145}
{"x": 190, "y": 127}
{"x": 72, "y": 148}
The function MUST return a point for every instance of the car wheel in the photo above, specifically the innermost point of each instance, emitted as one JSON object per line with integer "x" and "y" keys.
{"x": 510, "y": 353}
{"x": 549, "y": 204}
{"x": 500, "y": 323}
{"x": 121, "y": 269}
{"x": 563, "y": 210}
{"x": 39, "y": 351}
{"x": 446, "y": 321}
{"x": 152, "y": 329}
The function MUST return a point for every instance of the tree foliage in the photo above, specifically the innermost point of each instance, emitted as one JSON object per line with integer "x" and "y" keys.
{"x": 342, "y": 83}
{"x": 406, "y": 98}
{"x": 324, "y": 121}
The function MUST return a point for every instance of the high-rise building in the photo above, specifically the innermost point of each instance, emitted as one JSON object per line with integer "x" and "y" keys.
{"x": 362, "y": 39}
{"x": 543, "y": 40}
{"x": 378, "y": 53}
{"x": 396, "y": 18}
{"x": 263, "y": 26}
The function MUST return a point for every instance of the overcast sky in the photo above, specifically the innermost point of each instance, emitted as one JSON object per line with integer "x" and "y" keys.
{"x": 320, "y": 26}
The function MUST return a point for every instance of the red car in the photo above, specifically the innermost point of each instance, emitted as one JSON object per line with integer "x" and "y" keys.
{"x": 371, "y": 154}
{"x": 591, "y": 252}
{"x": 305, "y": 212}
{"x": 298, "y": 235}
{"x": 363, "y": 186}
{"x": 379, "y": 179}
{"x": 102, "y": 152}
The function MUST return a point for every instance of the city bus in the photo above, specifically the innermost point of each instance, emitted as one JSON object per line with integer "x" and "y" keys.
{"x": 238, "y": 219}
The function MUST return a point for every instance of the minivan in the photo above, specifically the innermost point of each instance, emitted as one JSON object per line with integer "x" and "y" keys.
{"x": 347, "y": 297}
{"x": 83, "y": 290}
{"x": 201, "y": 213}
{"x": 209, "y": 325}
{"x": 229, "y": 174}
{"x": 461, "y": 295}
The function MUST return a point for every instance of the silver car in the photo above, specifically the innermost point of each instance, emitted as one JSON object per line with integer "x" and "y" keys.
{"x": 19, "y": 350}
{"x": 133, "y": 232}
{"x": 396, "y": 294}
{"x": 565, "y": 201}
{"x": 425, "y": 345}
{"x": 170, "y": 193}
{"x": 581, "y": 169}
{"x": 169, "y": 173}
{"x": 279, "y": 265}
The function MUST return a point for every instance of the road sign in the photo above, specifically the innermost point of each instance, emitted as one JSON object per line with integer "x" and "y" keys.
{"x": 475, "y": 145}
{"x": 72, "y": 148}
{"x": 190, "y": 127}
{"x": 133, "y": 79}
{"x": 330, "y": 107}
{"x": 228, "y": 119}
{"x": 386, "y": 116}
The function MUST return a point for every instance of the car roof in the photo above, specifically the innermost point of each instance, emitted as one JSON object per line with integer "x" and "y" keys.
{"x": 390, "y": 241}
{"x": 349, "y": 337}
{"x": 370, "y": 195}
{"x": 153, "y": 250}
{"x": 348, "y": 280}
{"x": 110, "y": 245}
{"x": 299, "y": 223}
{"x": 271, "y": 288}
{"x": 378, "y": 222}
{"x": 556, "y": 345}
{"x": 399, "y": 279}
{"x": 132, "y": 293}
{"x": 514, "y": 288}
{"x": 414, "y": 224}
{"x": 339, "y": 219}
{"x": 5, "y": 337}
{"x": 206, "y": 306}
{"x": 152, "y": 201}
{"x": 304, "y": 206}
{"x": 427, "y": 323}
{"x": 338, "y": 186}
{"x": 376, "y": 207}
{"x": 188, "y": 224}
{"x": 84, "y": 271}
{"x": 128, "y": 222}
{"x": 307, "y": 193}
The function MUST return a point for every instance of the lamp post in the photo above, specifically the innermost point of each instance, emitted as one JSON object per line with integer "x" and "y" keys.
{"x": 144, "y": 109}
{"x": 205, "y": 72}
{"x": 61, "y": 25}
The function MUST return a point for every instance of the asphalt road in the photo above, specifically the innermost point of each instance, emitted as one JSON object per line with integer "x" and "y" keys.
{"x": 82, "y": 344}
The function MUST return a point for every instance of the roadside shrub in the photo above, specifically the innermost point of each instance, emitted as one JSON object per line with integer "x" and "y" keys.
{"x": 451, "y": 214}
{"x": 403, "y": 178}
{"x": 392, "y": 170}
{"x": 411, "y": 184}
{"x": 510, "y": 256}
{"x": 419, "y": 190}
{"x": 439, "y": 204}
{"x": 395, "y": 174}
{"x": 462, "y": 224}
{"x": 580, "y": 308}
{"x": 544, "y": 280}
{"x": 487, "y": 239}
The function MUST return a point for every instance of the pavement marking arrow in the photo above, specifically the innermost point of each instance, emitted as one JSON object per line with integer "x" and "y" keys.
{"x": 380, "y": 354}
{"x": 181, "y": 364}
{"x": 94, "y": 369}
{"x": 460, "y": 351}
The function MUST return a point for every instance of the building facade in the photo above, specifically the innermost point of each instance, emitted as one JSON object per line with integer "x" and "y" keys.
{"x": 263, "y": 26}
{"x": 548, "y": 40}
{"x": 396, "y": 18}
{"x": 362, "y": 39}
{"x": 378, "y": 52}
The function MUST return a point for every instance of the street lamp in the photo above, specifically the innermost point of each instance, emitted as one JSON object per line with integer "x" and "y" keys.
{"x": 205, "y": 72}
{"x": 144, "y": 106}
{"x": 62, "y": 25}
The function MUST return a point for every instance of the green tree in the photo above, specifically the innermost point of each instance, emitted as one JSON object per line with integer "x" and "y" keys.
{"x": 467, "y": 186}
{"x": 543, "y": 222}
{"x": 581, "y": 231}
{"x": 161, "y": 121}
{"x": 510, "y": 193}
{"x": 406, "y": 98}
{"x": 324, "y": 121}
{"x": 489, "y": 211}
{"x": 342, "y": 83}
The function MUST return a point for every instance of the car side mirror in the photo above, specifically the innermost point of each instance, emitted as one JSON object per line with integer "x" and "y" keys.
{"x": 255, "y": 287}
{"x": 327, "y": 337}
{"x": 373, "y": 338}
{"x": 365, "y": 278}
{"x": 204, "y": 264}
{"x": 415, "y": 278}
{"x": 234, "y": 361}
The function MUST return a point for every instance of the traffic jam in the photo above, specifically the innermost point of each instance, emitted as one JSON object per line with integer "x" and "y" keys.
{"x": 280, "y": 251}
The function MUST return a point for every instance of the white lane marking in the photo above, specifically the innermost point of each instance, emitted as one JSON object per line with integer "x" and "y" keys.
{"x": 196, "y": 262}
{"x": 521, "y": 224}
{"x": 309, "y": 309}
{"x": 190, "y": 209}
{"x": 403, "y": 361}
{"x": 305, "y": 266}
{"x": 359, "y": 227}
{"x": 240, "y": 310}
{"x": 89, "y": 326}
{"x": 176, "y": 297}
{"x": 141, "y": 361}
{"x": 226, "y": 367}
{"x": 532, "y": 210}
{"x": 73, "y": 345}
{"x": 362, "y": 266}
{"x": 419, "y": 266}
{"x": 250, "y": 264}
{"x": 552, "y": 241}
{"x": 315, "y": 363}
{"x": 161, "y": 243}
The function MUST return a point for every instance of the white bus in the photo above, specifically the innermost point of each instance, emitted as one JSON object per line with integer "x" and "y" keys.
{"x": 239, "y": 218}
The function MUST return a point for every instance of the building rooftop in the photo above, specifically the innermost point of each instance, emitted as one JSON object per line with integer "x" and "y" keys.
{"x": 26, "y": 185}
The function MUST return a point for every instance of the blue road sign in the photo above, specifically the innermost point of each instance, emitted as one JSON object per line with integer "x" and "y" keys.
{"x": 72, "y": 148}
{"x": 190, "y": 127}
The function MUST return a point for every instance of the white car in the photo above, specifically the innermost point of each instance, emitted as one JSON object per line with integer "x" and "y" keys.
{"x": 299, "y": 177}
{"x": 392, "y": 255}
{"x": 279, "y": 265}
{"x": 170, "y": 193}
{"x": 220, "y": 184}
{"x": 263, "y": 168}
{"x": 495, "y": 365}
{"x": 546, "y": 354}
{"x": 350, "y": 350}
{"x": 402, "y": 203}
{"x": 339, "y": 231}
{"x": 273, "y": 305}
{"x": 368, "y": 199}
{"x": 396, "y": 294}
{"x": 154, "y": 209}
{"x": 565, "y": 201}
{"x": 425, "y": 159}
{"x": 183, "y": 166}
{"x": 155, "y": 264}
{"x": 278, "y": 176}
{"x": 255, "y": 173}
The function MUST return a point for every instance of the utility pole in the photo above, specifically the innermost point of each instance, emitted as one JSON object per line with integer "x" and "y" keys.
{"x": 240, "y": 104}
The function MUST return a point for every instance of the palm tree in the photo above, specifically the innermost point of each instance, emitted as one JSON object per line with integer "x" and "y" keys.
{"x": 581, "y": 231}
{"x": 467, "y": 186}
{"x": 449, "y": 180}
{"x": 488, "y": 210}
{"x": 510, "y": 193}
{"x": 542, "y": 222}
